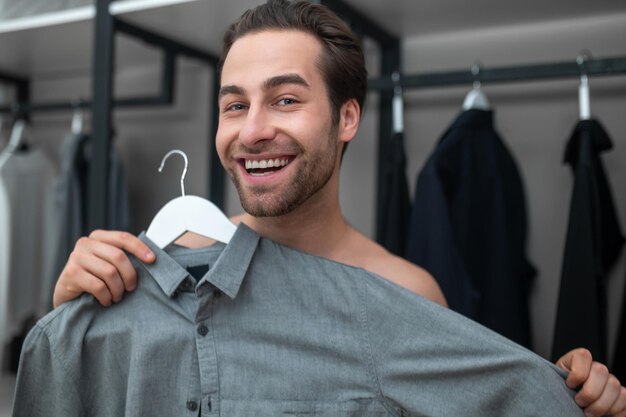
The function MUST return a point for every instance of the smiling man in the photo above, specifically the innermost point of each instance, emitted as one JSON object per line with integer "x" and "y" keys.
{"x": 317, "y": 318}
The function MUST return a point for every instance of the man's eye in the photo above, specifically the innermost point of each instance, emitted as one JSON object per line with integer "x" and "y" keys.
{"x": 285, "y": 101}
{"x": 235, "y": 107}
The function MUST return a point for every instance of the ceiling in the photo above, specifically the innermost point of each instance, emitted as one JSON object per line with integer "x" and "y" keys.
{"x": 407, "y": 18}
{"x": 403, "y": 18}
{"x": 67, "y": 46}
{"x": 202, "y": 22}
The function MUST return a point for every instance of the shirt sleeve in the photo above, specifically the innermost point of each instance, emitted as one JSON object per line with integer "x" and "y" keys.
{"x": 43, "y": 386}
{"x": 429, "y": 360}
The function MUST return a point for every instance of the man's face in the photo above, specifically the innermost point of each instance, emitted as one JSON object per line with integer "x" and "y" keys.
{"x": 275, "y": 136}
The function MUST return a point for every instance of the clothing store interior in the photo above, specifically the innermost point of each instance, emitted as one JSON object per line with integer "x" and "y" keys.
{"x": 491, "y": 150}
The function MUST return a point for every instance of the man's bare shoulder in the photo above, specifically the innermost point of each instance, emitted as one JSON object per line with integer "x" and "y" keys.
{"x": 374, "y": 258}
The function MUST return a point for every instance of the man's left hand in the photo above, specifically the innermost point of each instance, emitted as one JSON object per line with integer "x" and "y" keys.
{"x": 599, "y": 392}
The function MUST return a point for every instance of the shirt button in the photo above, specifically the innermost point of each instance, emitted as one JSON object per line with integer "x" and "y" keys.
{"x": 192, "y": 405}
{"x": 203, "y": 330}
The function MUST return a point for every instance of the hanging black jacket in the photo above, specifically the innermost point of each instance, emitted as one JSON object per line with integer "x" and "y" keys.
{"x": 468, "y": 226}
{"x": 593, "y": 243}
{"x": 395, "y": 202}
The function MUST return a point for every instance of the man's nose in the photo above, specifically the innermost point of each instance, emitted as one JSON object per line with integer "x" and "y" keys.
{"x": 257, "y": 127}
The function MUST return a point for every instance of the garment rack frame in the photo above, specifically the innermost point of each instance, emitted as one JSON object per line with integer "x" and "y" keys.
{"x": 389, "y": 45}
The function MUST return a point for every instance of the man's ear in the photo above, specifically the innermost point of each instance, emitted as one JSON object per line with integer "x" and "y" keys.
{"x": 349, "y": 117}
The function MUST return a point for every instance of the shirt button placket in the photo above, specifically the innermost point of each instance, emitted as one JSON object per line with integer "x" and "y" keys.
{"x": 207, "y": 359}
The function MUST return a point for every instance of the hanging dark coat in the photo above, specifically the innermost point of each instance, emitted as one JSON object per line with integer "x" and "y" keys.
{"x": 468, "y": 226}
{"x": 395, "y": 208}
{"x": 593, "y": 243}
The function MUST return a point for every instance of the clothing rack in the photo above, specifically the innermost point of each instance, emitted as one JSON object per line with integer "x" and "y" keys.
{"x": 102, "y": 103}
{"x": 571, "y": 69}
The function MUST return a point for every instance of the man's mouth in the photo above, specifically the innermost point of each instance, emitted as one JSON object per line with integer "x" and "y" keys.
{"x": 263, "y": 167}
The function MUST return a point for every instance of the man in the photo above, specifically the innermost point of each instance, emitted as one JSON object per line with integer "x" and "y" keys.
{"x": 293, "y": 85}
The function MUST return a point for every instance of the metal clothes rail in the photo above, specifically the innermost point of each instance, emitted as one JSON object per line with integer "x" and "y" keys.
{"x": 595, "y": 67}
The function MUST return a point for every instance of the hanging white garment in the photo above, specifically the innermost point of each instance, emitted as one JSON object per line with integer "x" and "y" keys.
{"x": 27, "y": 178}
{"x": 5, "y": 255}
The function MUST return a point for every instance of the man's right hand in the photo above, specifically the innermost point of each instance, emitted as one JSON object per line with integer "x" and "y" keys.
{"x": 99, "y": 266}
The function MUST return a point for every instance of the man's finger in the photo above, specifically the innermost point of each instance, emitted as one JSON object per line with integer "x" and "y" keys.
{"x": 607, "y": 399}
{"x": 82, "y": 281}
{"x": 592, "y": 389}
{"x": 619, "y": 407}
{"x": 102, "y": 269}
{"x": 126, "y": 241}
{"x": 578, "y": 364}
{"x": 111, "y": 255}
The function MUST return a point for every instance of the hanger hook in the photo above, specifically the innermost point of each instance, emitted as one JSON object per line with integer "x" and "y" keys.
{"x": 583, "y": 57}
{"x": 476, "y": 67}
{"x": 182, "y": 178}
{"x": 77, "y": 117}
{"x": 395, "y": 77}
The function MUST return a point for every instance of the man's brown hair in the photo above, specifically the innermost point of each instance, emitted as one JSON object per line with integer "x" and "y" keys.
{"x": 342, "y": 63}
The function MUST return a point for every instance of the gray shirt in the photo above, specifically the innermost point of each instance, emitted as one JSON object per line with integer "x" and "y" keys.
{"x": 271, "y": 331}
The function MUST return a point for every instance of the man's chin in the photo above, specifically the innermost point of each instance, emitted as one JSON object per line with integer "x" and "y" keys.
{"x": 257, "y": 210}
{"x": 267, "y": 205}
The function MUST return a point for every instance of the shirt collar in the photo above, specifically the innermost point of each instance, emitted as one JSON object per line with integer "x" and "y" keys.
{"x": 227, "y": 273}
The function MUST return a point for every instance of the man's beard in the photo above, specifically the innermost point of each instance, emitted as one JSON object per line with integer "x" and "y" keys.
{"x": 313, "y": 174}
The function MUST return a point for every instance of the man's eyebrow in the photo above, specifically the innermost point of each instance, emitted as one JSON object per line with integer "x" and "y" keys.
{"x": 284, "y": 79}
{"x": 232, "y": 89}
{"x": 270, "y": 83}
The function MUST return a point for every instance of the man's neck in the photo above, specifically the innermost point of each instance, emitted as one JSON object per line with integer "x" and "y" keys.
{"x": 317, "y": 229}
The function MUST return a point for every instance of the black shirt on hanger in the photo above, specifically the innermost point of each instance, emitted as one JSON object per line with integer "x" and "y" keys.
{"x": 396, "y": 205}
{"x": 593, "y": 243}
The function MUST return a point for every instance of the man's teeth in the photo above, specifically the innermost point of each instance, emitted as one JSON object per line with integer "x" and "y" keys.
{"x": 266, "y": 163}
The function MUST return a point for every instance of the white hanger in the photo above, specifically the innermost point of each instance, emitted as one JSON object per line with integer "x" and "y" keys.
{"x": 15, "y": 141}
{"x": 583, "y": 89}
{"x": 188, "y": 213}
{"x": 397, "y": 105}
{"x": 476, "y": 98}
